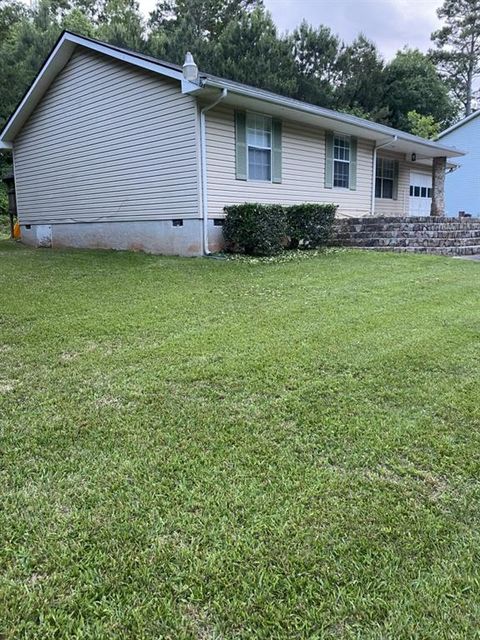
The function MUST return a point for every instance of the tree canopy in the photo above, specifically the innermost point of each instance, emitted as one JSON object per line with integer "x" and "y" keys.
{"x": 457, "y": 52}
{"x": 239, "y": 40}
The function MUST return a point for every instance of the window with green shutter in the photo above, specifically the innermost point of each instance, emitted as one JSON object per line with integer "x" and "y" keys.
{"x": 258, "y": 140}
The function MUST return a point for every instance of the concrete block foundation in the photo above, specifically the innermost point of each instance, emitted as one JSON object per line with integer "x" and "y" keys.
{"x": 182, "y": 237}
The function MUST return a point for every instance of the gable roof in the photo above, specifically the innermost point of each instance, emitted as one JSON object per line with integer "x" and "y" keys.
{"x": 458, "y": 124}
{"x": 238, "y": 94}
{"x": 56, "y": 61}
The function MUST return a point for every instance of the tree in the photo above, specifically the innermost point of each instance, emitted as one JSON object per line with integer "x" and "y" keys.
{"x": 11, "y": 13}
{"x": 315, "y": 54}
{"x": 412, "y": 83}
{"x": 249, "y": 50}
{"x": 360, "y": 87}
{"x": 121, "y": 23}
{"x": 22, "y": 52}
{"x": 177, "y": 26}
{"x": 458, "y": 48}
{"x": 423, "y": 126}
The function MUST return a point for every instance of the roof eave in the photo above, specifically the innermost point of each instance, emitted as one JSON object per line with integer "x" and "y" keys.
{"x": 365, "y": 126}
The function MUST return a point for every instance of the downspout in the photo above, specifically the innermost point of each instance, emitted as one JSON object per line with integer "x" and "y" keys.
{"x": 374, "y": 170}
{"x": 203, "y": 168}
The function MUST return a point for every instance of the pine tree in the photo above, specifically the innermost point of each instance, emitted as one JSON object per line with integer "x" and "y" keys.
{"x": 458, "y": 48}
{"x": 315, "y": 53}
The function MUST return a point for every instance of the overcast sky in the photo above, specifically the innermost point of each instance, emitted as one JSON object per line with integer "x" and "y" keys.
{"x": 389, "y": 23}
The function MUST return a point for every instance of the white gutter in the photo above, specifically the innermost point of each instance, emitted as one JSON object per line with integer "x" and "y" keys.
{"x": 374, "y": 170}
{"x": 345, "y": 118}
{"x": 203, "y": 168}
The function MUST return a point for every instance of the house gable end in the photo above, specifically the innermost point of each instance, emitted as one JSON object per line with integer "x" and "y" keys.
{"x": 108, "y": 142}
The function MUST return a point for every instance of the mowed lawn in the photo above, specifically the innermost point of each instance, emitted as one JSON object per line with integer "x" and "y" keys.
{"x": 211, "y": 449}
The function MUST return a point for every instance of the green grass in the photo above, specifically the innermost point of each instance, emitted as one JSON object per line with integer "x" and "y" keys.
{"x": 213, "y": 449}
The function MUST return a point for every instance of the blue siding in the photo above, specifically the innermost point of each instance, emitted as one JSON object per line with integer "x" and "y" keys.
{"x": 462, "y": 187}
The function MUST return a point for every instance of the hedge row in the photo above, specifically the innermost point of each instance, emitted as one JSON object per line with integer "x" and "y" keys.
{"x": 266, "y": 229}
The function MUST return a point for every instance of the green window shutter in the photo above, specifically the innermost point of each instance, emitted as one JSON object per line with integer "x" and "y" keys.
{"x": 352, "y": 182}
{"x": 395, "y": 179}
{"x": 240, "y": 145}
{"x": 328, "y": 159}
{"x": 276, "y": 151}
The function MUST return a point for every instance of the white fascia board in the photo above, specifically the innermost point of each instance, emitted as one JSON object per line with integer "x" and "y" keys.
{"x": 54, "y": 64}
{"x": 191, "y": 88}
{"x": 5, "y": 145}
{"x": 131, "y": 58}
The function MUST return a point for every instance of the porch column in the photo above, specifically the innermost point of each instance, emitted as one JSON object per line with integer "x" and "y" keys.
{"x": 438, "y": 186}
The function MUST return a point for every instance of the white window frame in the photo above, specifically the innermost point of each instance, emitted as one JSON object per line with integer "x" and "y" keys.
{"x": 347, "y": 162}
{"x": 380, "y": 162}
{"x": 269, "y": 118}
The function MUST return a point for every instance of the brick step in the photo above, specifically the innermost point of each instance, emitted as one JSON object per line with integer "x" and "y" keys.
{"x": 407, "y": 242}
{"x": 446, "y": 251}
{"x": 405, "y": 226}
{"x": 410, "y": 219}
{"x": 438, "y": 235}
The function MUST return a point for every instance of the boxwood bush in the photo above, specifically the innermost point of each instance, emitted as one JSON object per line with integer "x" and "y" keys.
{"x": 260, "y": 229}
{"x": 255, "y": 229}
{"x": 309, "y": 225}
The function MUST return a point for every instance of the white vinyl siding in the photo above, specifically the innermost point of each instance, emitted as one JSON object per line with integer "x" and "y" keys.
{"x": 303, "y": 169}
{"x": 108, "y": 142}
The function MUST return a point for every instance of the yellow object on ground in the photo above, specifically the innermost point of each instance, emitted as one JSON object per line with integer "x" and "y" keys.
{"x": 16, "y": 231}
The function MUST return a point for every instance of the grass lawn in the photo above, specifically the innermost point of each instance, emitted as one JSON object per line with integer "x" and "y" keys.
{"x": 207, "y": 449}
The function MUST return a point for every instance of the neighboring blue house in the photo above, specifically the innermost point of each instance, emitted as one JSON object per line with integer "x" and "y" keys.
{"x": 462, "y": 187}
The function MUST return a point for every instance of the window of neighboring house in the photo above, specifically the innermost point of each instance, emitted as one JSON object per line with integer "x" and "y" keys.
{"x": 385, "y": 175}
{"x": 259, "y": 143}
{"x": 341, "y": 161}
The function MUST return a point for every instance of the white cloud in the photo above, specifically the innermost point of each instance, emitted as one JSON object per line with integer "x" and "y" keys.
{"x": 391, "y": 24}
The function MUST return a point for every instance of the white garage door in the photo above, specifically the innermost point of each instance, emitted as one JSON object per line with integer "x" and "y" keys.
{"x": 420, "y": 194}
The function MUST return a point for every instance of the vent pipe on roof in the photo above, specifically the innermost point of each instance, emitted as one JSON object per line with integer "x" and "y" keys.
{"x": 190, "y": 69}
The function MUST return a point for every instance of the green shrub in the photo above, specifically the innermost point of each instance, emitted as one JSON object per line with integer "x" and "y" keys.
{"x": 309, "y": 225}
{"x": 255, "y": 229}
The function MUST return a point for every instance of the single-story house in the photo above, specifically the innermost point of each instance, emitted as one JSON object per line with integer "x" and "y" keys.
{"x": 462, "y": 187}
{"x": 116, "y": 149}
